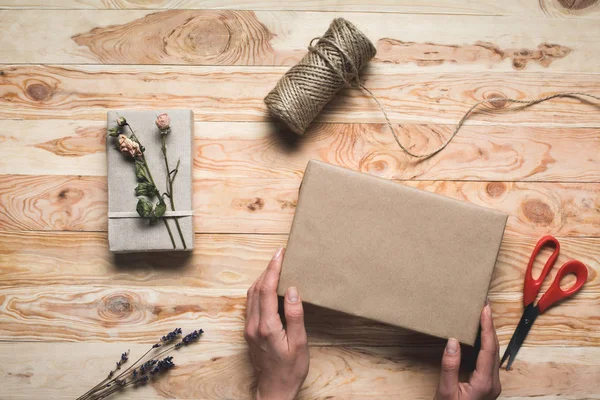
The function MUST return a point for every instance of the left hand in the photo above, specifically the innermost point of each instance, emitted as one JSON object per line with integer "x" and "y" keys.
{"x": 280, "y": 356}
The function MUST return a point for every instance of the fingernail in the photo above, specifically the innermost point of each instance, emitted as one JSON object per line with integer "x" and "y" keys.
{"x": 292, "y": 294}
{"x": 488, "y": 310}
{"x": 278, "y": 253}
{"x": 452, "y": 346}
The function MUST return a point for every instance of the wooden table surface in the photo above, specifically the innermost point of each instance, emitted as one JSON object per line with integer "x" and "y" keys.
{"x": 68, "y": 307}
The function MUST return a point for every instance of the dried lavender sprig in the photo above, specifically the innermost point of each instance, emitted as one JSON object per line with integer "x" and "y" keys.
{"x": 160, "y": 366}
{"x": 189, "y": 338}
{"x": 171, "y": 335}
{"x": 166, "y": 364}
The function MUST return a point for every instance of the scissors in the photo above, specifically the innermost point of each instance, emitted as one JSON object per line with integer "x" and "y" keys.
{"x": 531, "y": 288}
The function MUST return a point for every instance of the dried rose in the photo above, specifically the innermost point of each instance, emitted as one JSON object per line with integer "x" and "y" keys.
{"x": 128, "y": 146}
{"x": 163, "y": 122}
{"x": 121, "y": 121}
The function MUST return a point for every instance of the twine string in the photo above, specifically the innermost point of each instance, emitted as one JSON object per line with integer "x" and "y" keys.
{"x": 355, "y": 82}
{"x": 304, "y": 90}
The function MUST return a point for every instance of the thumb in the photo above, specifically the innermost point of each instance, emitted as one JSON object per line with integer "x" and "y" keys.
{"x": 450, "y": 366}
{"x": 294, "y": 317}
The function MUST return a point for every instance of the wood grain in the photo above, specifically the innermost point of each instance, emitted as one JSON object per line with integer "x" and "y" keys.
{"x": 214, "y": 94}
{"x": 228, "y": 37}
{"x": 218, "y": 261}
{"x": 261, "y": 150}
{"x": 220, "y": 371}
{"x": 134, "y": 314}
{"x": 534, "y": 209}
{"x": 258, "y": 150}
{"x": 68, "y": 307}
{"x": 549, "y": 8}
{"x": 268, "y": 205}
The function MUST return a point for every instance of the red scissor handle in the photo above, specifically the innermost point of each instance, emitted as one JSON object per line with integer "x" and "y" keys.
{"x": 531, "y": 288}
{"x": 555, "y": 293}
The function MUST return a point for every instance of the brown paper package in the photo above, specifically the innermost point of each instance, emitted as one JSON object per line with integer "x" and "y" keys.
{"x": 374, "y": 248}
{"x": 134, "y": 234}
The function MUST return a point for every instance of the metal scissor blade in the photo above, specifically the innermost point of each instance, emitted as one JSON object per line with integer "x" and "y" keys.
{"x": 527, "y": 320}
{"x": 510, "y": 349}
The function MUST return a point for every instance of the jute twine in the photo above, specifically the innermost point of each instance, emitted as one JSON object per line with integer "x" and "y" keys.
{"x": 334, "y": 63}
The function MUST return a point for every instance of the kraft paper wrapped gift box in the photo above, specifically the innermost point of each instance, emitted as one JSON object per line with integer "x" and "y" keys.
{"x": 127, "y": 232}
{"x": 375, "y": 248}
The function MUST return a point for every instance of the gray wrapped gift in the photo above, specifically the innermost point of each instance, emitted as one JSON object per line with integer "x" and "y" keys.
{"x": 127, "y": 231}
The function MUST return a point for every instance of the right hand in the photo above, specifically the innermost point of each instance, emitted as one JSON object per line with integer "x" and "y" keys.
{"x": 484, "y": 383}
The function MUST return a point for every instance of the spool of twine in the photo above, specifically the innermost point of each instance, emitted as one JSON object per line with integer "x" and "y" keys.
{"x": 331, "y": 64}
{"x": 334, "y": 63}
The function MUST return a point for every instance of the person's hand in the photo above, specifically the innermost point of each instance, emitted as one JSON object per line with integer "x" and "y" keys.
{"x": 484, "y": 383}
{"x": 280, "y": 356}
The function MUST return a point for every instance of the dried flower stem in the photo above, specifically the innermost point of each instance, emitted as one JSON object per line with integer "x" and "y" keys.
{"x": 112, "y": 386}
{"x": 170, "y": 178}
{"x": 113, "y": 383}
{"x": 143, "y": 157}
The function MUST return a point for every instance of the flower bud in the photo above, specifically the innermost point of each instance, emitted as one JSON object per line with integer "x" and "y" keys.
{"x": 121, "y": 121}
{"x": 163, "y": 122}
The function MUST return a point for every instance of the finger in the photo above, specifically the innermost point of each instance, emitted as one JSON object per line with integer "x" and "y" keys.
{"x": 450, "y": 367}
{"x": 294, "y": 317}
{"x": 249, "y": 300}
{"x": 496, "y": 370}
{"x": 488, "y": 355}
{"x": 268, "y": 292}
{"x": 253, "y": 307}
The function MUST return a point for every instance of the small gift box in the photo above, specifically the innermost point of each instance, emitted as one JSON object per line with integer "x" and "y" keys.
{"x": 149, "y": 156}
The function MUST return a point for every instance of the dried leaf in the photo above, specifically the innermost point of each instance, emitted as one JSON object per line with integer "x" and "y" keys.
{"x": 160, "y": 209}
{"x": 146, "y": 189}
{"x": 114, "y": 132}
{"x": 140, "y": 171}
{"x": 144, "y": 208}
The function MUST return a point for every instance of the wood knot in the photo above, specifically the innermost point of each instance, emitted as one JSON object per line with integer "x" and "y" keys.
{"x": 538, "y": 212}
{"x": 38, "y": 91}
{"x": 118, "y": 306}
{"x": 287, "y": 204}
{"x": 498, "y": 104}
{"x": 377, "y": 166}
{"x": 495, "y": 189}
{"x": 257, "y": 204}
{"x": 213, "y": 37}
{"x": 577, "y": 4}
{"x": 204, "y": 37}
{"x": 70, "y": 196}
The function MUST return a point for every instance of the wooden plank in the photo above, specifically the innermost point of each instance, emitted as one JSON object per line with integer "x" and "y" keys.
{"x": 228, "y": 37}
{"x": 534, "y": 209}
{"x": 76, "y": 313}
{"x": 500, "y": 153}
{"x": 236, "y": 94}
{"x": 60, "y": 203}
{"x": 218, "y": 261}
{"x": 549, "y": 8}
{"x": 206, "y": 370}
{"x": 268, "y": 205}
{"x": 259, "y": 150}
